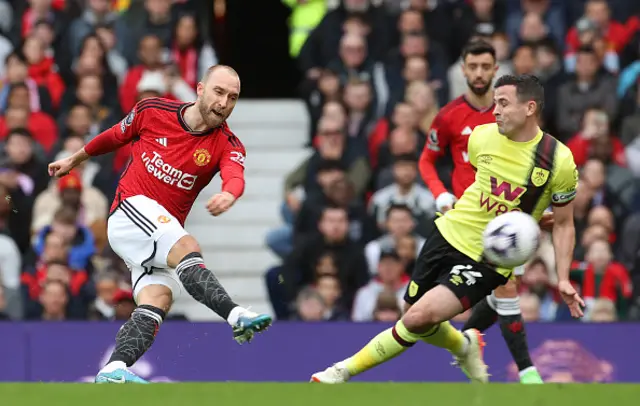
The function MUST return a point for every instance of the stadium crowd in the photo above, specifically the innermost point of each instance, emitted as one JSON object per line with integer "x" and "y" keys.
{"x": 71, "y": 70}
{"x": 356, "y": 212}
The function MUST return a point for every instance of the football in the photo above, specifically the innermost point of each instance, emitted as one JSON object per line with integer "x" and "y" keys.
{"x": 511, "y": 239}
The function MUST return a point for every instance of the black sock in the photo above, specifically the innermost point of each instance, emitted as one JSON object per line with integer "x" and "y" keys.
{"x": 137, "y": 335}
{"x": 516, "y": 338}
{"x": 203, "y": 285}
{"x": 482, "y": 316}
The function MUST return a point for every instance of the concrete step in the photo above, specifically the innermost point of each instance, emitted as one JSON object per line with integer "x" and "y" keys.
{"x": 241, "y": 262}
{"x": 218, "y": 237}
{"x": 256, "y": 137}
{"x": 257, "y": 186}
{"x": 271, "y": 113}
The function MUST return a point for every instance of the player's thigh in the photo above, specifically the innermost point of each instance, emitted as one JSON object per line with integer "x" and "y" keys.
{"x": 435, "y": 306}
{"x": 431, "y": 262}
{"x": 163, "y": 228}
{"x": 155, "y": 286}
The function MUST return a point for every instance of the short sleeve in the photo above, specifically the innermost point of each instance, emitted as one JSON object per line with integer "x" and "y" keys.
{"x": 565, "y": 179}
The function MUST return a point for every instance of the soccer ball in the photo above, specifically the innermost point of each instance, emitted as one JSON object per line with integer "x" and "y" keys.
{"x": 511, "y": 239}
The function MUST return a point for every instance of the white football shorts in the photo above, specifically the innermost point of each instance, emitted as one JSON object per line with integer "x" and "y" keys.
{"x": 142, "y": 233}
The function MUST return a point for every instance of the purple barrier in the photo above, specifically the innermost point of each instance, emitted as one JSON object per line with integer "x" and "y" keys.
{"x": 73, "y": 352}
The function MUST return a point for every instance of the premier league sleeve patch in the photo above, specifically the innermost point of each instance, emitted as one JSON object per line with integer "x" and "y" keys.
{"x": 433, "y": 142}
{"x": 128, "y": 120}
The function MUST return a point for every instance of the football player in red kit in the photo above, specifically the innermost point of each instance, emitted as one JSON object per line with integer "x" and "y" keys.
{"x": 451, "y": 129}
{"x": 176, "y": 149}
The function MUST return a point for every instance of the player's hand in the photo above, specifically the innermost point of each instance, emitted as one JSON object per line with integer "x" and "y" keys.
{"x": 571, "y": 298}
{"x": 444, "y": 202}
{"x": 220, "y": 203}
{"x": 546, "y": 221}
{"x": 61, "y": 168}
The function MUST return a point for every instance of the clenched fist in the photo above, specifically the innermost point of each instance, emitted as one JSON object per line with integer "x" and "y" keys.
{"x": 61, "y": 168}
{"x": 220, "y": 203}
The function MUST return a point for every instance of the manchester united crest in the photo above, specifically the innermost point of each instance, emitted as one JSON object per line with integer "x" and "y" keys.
{"x": 163, "y": 219}
{"x": 201, "y": 157}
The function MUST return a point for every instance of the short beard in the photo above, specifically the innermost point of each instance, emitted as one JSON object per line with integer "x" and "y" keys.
{"x": 204, "y": 113}
{"x": 479, "y": 91}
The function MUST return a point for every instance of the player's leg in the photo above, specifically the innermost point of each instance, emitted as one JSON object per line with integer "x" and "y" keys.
{"x": 506, "y": 303}
{"x": 202, "y": 284}
{"x": 154, "y": 296}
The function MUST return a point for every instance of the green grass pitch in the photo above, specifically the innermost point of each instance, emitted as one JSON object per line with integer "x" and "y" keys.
{"x": 305, "y": 394}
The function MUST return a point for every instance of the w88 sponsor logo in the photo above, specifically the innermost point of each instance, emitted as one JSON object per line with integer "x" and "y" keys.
{"x": 167, "y": 173}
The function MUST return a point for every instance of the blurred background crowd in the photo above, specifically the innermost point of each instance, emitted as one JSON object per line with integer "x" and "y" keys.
{"x": 356, "y": 213}
{"x": 374, "y": 74}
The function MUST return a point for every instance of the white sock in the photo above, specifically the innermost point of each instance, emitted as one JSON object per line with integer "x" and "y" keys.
{"x": 524, "y": 371}
{"x": 112, "y": 366}
{"x": 235, "y": 314}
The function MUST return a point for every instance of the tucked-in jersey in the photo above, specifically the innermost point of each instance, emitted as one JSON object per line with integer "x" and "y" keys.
{"x": 522, "y": 176}
{"x": 170, "y": 163}
{"x": 451, "y": 128}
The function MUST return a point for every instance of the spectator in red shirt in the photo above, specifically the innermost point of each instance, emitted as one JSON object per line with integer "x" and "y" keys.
{"x": 616, "y": 35}
{"x": 42, "y": 69}
{"x": 41, "y": 125}
{"x": 595, "y": 125}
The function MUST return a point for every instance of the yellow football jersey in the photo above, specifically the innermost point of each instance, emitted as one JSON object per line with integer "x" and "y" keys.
{"x": 524, "y": 176}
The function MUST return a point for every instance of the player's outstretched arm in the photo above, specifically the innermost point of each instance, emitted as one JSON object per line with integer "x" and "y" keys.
{"x": 62, "y": 167}
{"x": 564, "y": 237}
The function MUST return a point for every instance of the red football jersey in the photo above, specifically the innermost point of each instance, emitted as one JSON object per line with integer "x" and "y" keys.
{"x": 451, "y": 128}
{"x": 170, "y": 163}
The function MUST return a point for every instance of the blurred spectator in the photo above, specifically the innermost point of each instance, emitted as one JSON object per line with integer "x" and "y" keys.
{"x": 421, "y": 97}
{"x": 154, "y": 18}
{"x": 42, "y": 69}
{"x": 116, "y": 63}
{"x": 549, "y": 14}
{"x": 317, "y": 93}
{"x": 532, "y": 30}
{"x": 123, "y": 304}
{"x": 17, "y": 72}
{"x": 96, "y": 14}
{"x": 309, "y": 306}
{"x": 401, "y": 142}
{"x": 404, "y": 121}
{"x": 530, "y": 307}
{"x": 329, "y": 288}
{"x": 10, "y": 268}
{"x": 595, "y": 125}
{"x": 65, "y": 224}
{"x": 18, "y": 114}
{"x": 54, "y": 299}
{"x": 90, "y": 203}
{"x": 190, "y": 52}
{"x": 391, "y": 277}
{"x": 524, "y": 59}
{"x": 603, "y": 311}
{"x": 536, "y": 284}
{"x": 358, "y": 99}
{"x": 387, "y": 309}
{"x": 400, "y": 223}
{"x": 103, "y": 308}
{"x": 597, "y": 25}
{"x": 588, "y": 89}
{"x": 404, "y": 190}
{"x": 477, "y": 16}
{"x": 153, "y": 75}
{"x": 322, "y": 45}
{"x": 551, "y": 73}
{"x": 332, "y": 144}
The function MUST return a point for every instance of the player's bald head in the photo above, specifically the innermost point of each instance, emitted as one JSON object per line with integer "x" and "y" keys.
{"x": 221, "y": 72}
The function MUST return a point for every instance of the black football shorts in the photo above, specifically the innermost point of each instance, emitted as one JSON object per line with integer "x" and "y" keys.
{"x": 439, "y": 263}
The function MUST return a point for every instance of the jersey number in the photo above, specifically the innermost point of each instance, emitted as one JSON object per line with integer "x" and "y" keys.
{"x": 462, "y": 274}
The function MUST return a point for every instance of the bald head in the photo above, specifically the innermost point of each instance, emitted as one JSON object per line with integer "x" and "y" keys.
{"x": 228, "y": 70}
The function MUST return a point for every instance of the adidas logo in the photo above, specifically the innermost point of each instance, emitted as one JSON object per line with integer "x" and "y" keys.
{"x": 162, "y": 141}
{"x": 467, "y": 131}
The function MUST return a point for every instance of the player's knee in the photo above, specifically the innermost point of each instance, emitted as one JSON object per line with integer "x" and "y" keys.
{"x": 185, "y": 246}
{"x": 158, "y": 296}
{"x": 419, "y": 320}
{"x": 510, "y": 290}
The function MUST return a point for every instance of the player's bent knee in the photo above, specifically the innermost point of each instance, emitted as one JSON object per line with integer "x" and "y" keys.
{"x": 420, "y": 320}
{"x": 185, "y": 246}
{"x": 159, "y": 296}
{"x": 510, "y": 290}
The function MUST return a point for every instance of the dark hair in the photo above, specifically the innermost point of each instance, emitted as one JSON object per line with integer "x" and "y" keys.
{"x": 548, "y": 44}
{"x": 399, "y": 206}
{"x": 43, "y": 21}
{"x": 330, "y": 165}
{"x": 332, "y": 206}
{"x": 66, "y": 215}
{"x": 413, "y": 158}
{"x": 18, "y": 85}
{"x": 58, "y": 262}
{"x": 586, "y": 49}
{"x": 478, "y": 47}
{"x": 17, "y": 54}
{"x": 528, "y": 88}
